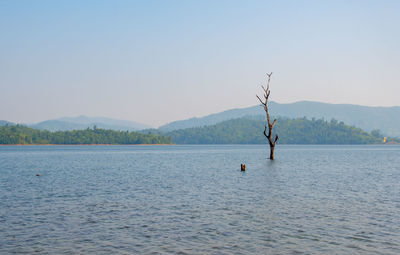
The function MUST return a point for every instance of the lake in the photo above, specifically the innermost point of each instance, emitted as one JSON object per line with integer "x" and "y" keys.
{"x": 195, "y": 200}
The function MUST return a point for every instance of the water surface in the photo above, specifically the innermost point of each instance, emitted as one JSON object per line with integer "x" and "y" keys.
{"x": 195, "y": 200}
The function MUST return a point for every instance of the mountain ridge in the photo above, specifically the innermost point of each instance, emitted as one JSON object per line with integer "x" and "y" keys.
{"x": 5, "y": 123}
{"x": 249, "y": 130}
{"x": 83, "y": 122}
{"x": 384, "y": 118}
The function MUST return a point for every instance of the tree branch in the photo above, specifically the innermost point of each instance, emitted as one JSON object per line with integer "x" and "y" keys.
{"x": 276, "y": 138}
{"x": 260, "y": 100}
{"x": 269, "y": 80}
{"x": 264, "y": 89}
{"x": 270, "y": 125}
{"x": 273, "y": 123}
{"x": 265, "y": 131}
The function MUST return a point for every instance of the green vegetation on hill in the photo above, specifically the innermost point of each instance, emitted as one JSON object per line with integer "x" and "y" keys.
{"x": 246, "y": 130}
{"x": 18, "y": 134}
{"x": 366, "y": 117}
{"x": 291, "y": 131}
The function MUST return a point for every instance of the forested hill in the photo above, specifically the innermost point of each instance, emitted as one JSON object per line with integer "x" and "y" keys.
{"x": 387, "y": 119}
{"x": 246, "y": 130}
{"x": 18, "y": 134}
{"x": 291, "y": 131}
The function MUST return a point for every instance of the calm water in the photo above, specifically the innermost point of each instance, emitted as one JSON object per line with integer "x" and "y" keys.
{"x": 195, "y": 200}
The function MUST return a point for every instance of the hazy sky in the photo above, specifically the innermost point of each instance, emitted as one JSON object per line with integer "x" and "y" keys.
{"x": 160, "y": 61}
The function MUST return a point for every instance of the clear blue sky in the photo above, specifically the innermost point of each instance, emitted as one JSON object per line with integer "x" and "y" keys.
{"x": 160, "y": 61}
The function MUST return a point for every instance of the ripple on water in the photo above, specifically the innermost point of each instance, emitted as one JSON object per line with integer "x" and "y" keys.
{"x": 195, "y": 200}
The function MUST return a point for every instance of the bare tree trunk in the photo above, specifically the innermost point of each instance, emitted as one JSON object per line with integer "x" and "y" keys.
{"x": 272, "y": 142}
{"x": 271, "y": 152}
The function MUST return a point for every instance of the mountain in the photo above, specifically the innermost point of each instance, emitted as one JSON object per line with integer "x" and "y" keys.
{"x": 386, "y": 119}
{"x": 212, "y": 118}
{"x": 4, "y": 123}
{"x": 249, "y": 130}
{"x": 83, "y": 122}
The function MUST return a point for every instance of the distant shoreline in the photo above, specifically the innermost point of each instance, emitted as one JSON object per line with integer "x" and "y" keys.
{"x": 387, "y": 144}
{"x": 95, "y": 144}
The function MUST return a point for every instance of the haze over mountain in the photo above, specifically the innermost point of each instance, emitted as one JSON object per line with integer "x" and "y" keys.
{"x": 387, "y": 119}
{"x": 83, "y": 122}
{"x": 4, "y": 122}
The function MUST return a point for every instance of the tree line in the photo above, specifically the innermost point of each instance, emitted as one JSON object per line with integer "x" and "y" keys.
{"x": 19, "y": 134}
{"x": 246, "y": 130}
{"x": 249, "y": 130}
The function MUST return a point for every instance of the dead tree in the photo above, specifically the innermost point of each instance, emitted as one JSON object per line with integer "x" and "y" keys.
{"x": 272, "y": 142}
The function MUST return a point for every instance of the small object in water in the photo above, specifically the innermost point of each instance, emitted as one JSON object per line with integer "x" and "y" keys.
{"x": 37, "y": 174}
{"x": 242, "y": 167}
